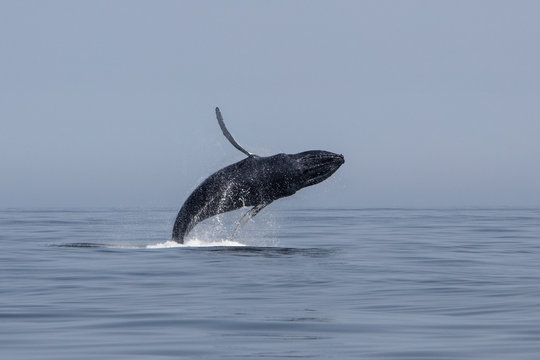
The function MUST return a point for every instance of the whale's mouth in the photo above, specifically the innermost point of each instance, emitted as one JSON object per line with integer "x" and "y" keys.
{"x": 317, "y": 165}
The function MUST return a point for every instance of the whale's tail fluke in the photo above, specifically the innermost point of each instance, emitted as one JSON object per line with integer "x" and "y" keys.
{"x": 228, "y": 134}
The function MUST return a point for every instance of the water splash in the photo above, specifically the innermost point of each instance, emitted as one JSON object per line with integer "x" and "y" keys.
{"x": 194, "y": 243}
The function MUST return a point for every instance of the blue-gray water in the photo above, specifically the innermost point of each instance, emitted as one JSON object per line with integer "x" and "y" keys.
{"x": 321, "y": 283}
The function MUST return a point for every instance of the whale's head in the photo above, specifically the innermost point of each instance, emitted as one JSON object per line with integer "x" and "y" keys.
{"x": 281, "y": 175}
{"x": 316, "y": 166}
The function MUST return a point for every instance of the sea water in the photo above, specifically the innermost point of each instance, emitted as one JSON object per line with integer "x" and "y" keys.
{"x": 301, "y": 283}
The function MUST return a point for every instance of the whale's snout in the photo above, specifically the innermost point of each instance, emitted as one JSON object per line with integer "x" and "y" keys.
{"x": 317, "y": 165}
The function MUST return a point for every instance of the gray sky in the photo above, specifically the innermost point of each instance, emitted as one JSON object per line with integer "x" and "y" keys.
{"x": 111, "y": 103}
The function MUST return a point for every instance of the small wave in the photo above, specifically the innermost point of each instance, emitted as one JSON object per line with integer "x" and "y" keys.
{"x": 162, "y": 245}
{"x": 98, "y": 246}
{"x": 194, "y": 243}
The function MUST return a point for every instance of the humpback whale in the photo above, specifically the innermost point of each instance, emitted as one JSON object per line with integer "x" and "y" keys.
{"x": 255, "y": 181}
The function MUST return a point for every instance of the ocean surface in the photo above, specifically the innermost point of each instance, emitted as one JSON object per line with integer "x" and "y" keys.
{"x": 304, "y": 283}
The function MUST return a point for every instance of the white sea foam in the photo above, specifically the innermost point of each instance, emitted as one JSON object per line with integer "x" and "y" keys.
{"x": 194, "y": 243}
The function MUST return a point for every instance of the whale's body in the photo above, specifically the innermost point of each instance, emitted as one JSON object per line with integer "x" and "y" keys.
{"x": 255, "y": 181}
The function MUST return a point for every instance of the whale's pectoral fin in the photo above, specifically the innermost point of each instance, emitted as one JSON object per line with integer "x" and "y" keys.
{"x": 251, "y": 213}
{"x": 228, "y": 134}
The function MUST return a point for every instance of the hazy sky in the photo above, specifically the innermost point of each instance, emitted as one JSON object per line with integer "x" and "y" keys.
{"x": 111, "y": 103}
